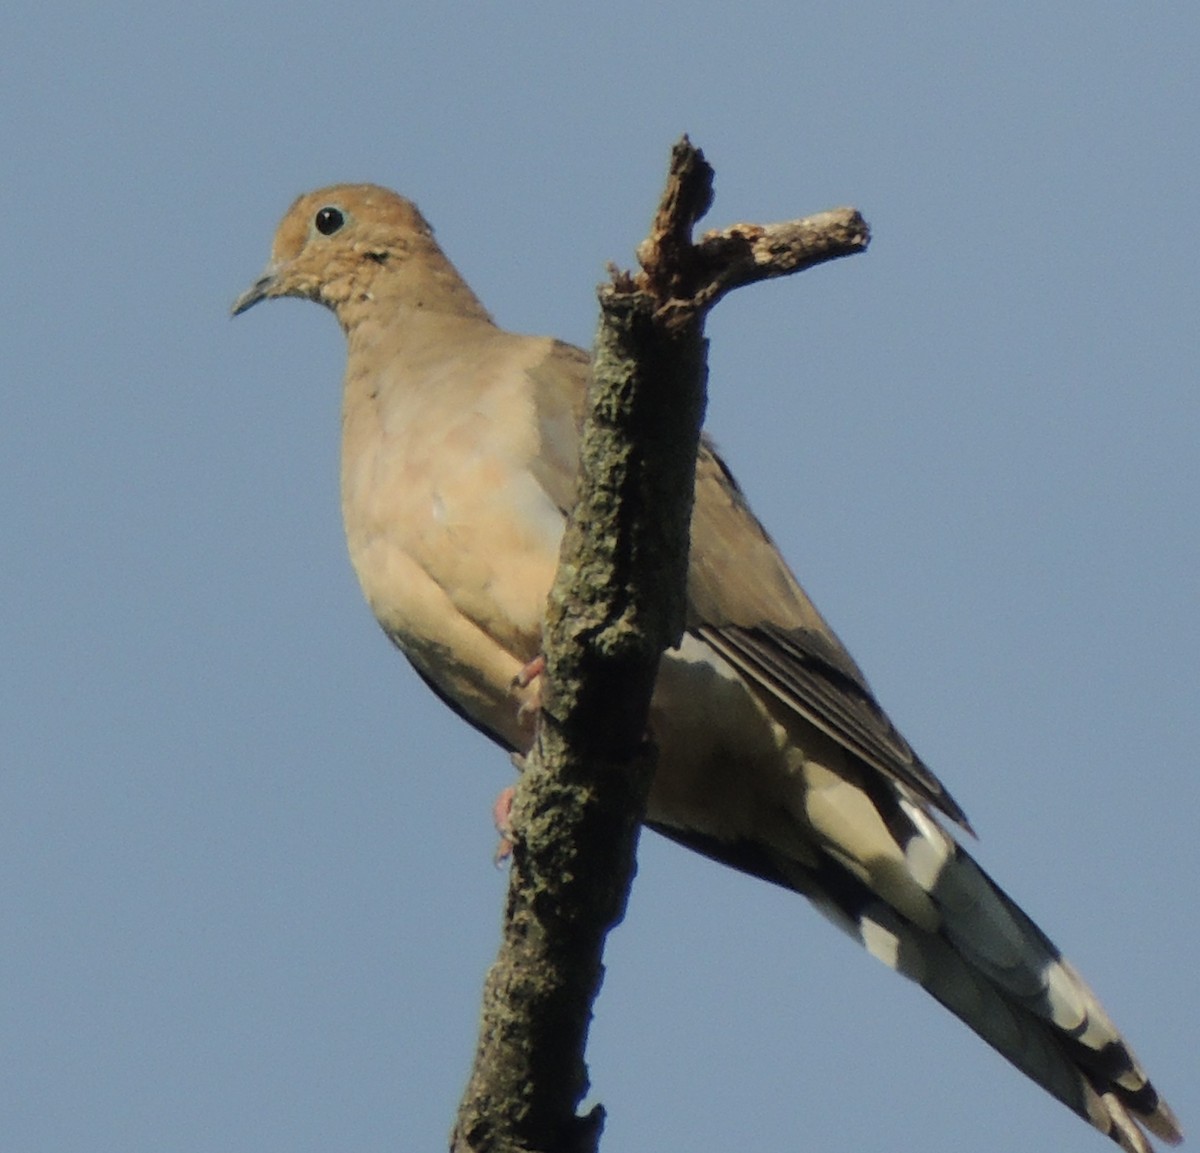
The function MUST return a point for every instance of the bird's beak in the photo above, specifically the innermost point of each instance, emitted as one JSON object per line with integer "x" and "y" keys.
{"x": 259, "y": 290}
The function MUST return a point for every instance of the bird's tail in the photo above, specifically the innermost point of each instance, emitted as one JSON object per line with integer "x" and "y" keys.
{"x": 989, "y": 964}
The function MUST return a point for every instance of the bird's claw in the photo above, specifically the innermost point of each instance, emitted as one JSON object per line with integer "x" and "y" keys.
{"x": 528, "y": 675}
{"x": 502, "y": 818}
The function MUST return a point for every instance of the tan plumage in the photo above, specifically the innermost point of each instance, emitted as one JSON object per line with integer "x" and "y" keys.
{"x": 459, "y": 454}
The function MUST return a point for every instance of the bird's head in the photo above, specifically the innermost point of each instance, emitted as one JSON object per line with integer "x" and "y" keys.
{"x": 353, "y": 247}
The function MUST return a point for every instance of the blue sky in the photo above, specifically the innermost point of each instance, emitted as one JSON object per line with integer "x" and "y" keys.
{"x": 245, "y": 886}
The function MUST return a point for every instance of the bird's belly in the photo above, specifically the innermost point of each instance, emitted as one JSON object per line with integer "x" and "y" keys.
{"x": 484, "y": 533}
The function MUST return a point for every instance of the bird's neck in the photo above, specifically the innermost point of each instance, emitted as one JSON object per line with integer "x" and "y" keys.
{"x": 390, "y": 284}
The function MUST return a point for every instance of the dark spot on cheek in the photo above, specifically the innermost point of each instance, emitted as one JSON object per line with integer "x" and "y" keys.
{"x": 378, "y": 257}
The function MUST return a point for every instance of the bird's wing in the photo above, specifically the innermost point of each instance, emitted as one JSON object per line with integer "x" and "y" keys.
{"x": 748, "y": 606}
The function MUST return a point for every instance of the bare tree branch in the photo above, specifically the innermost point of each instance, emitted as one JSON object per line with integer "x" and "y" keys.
{"x": 618, "y": 602}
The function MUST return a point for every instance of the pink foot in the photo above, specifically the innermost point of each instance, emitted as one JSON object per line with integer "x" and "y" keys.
{"x": 529, "y": 673}
{"x": 502, "y": 817}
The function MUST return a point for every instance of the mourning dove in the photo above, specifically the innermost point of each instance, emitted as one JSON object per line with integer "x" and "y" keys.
{"x": 459, "y": 454}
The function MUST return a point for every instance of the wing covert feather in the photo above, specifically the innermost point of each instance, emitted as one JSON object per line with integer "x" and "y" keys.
{"x": 748, "y": 606}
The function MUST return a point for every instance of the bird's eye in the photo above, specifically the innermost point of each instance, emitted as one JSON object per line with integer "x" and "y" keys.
{"x": 328, "y": 220}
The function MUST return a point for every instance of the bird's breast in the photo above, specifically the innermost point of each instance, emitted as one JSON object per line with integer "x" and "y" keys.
{"x": 442, "y": 500}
